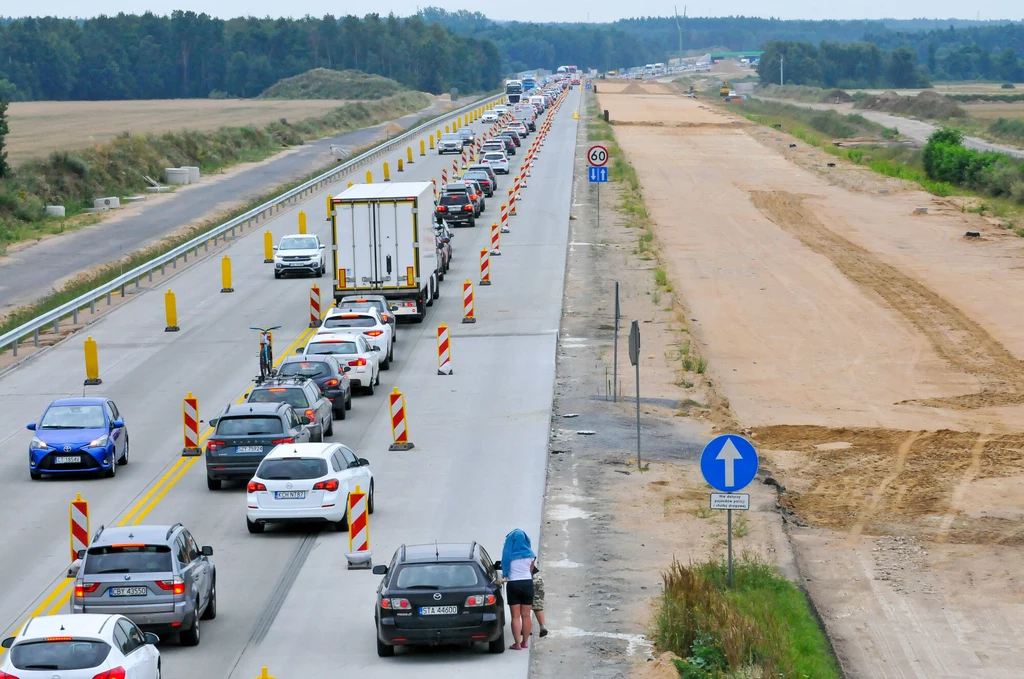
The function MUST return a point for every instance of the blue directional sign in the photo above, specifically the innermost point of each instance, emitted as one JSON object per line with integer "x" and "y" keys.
{"x": 729, "y": 463}
{"x": 598, "y": 174}
{"x": 588, "y": 86}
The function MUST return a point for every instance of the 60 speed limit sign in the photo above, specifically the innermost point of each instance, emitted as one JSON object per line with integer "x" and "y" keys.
{"x": 598, "y": 155}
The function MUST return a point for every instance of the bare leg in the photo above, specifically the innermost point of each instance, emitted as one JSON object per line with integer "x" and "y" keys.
{"x": 527, "y": 624}
{"x": 517, "y": 624}
{"x": 540, "y": 617}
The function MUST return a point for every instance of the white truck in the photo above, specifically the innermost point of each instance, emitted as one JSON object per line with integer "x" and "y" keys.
{"x": 384, "y": 243}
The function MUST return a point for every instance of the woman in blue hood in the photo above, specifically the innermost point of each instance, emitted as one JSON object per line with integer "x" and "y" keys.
{"x": 517, "y": 559}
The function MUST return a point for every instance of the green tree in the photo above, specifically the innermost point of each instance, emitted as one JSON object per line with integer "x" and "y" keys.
{"x": 1009, "y": 66}
{"x": 902, "y": 69}
{"x": 5, "y": 169}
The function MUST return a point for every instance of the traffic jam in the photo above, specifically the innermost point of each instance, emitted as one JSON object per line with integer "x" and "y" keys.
{"x": 135, "y": 587}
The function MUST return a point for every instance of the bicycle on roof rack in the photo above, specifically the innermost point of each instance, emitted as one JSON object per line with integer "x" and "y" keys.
{"x": 266, "y": 351}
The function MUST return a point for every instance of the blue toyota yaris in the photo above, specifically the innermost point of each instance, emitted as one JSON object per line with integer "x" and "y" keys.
{"x": 77, "y": 435}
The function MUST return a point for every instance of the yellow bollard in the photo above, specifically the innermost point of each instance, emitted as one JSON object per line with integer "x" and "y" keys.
{"x": 350, "y": 185}
{"x": 423, "y": 149}
{"x": 387, "y": 172}
{"x": 171, "y": 311}
{"x": 330, "y": 199}
{"x": 369, "y": 177}
{"x": 268, "y": 247}
{"x": 447, "y": 129}
{"x": 302, "y": 221}
{"x": 225, "y": 274}
{"x": 438, "y": 135}
{"x": 432, "y": 141}
{"x": 408, "y": 152}
{"x": 92, "y": 363}
{"x": 400, "y": 167}
{"x": 264, "y": 675}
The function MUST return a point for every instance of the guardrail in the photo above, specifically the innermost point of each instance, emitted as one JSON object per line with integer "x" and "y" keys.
{"x": 55, "y": 316}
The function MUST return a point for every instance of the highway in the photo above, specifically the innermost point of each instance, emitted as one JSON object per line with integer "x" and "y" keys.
{"x": 285, "y": 597}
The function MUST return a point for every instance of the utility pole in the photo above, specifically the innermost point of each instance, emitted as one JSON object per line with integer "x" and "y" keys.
{"x": 782, "y": 81}
{"x": 679, "y": 28}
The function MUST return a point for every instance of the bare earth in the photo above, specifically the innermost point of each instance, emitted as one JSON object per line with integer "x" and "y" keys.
{"x": 39, "y": 127}
{"x": 874, "y": 355}
{"x": 993, "y": 110}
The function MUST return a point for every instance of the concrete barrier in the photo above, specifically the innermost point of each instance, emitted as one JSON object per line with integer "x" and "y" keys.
{"x": 193, "y": 174}
{"x": 55, "y": 211}
{"x": 107, "y": 203}
{"x": 176, "y": 176}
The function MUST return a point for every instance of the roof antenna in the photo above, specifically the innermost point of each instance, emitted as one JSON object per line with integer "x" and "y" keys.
{"x": 437, "y": 554}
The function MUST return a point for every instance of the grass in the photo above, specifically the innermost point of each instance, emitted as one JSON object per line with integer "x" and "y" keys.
{"x": 809, "y": 124}
{"x": 323, "y": 83}
{"x": 762, "y": 627}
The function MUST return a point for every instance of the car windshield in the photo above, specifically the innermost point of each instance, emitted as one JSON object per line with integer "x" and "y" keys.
{"x": 332, "y": 347}
{"x": 73, "y": 417}
{"x": 293, "y": 396}
{"x": 60, "y": 655}
{"x": 305, "y": 368}
{"x": 249, "y": 426}
{"x": 350, "y": 322}
{"x": 452, "y": 137}
{"x": 128, "y": 559}
{"x": 292, "y": 469}
{"x": 298, "y": 244}
{"x": 437, "y": 576}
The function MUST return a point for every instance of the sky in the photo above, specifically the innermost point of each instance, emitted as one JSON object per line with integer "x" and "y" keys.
{"x": 544, "y": 10}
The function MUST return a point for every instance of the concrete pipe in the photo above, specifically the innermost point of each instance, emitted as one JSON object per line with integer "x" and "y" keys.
{"x": 176, "y": 176}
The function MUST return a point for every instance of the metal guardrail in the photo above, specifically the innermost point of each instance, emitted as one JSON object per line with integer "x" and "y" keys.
{"x": 55, "y": 316}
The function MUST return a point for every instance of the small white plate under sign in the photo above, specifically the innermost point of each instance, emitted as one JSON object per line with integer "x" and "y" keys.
{"x": 730, "y": 500}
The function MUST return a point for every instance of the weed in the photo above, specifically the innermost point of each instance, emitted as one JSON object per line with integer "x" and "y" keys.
{"x": 660, "y": 277}
{"x": 687, "y": 384}
{"x": 703, "y": 512}
{"x": 684, "y": 350}
{"x": 655, "y": 296}
{"x": 689, "y": 364}
{"x": 702, "y": 365}
{"x": 741, "y": 527}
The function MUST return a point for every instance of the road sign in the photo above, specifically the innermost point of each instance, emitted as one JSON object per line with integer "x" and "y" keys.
{"x": 729, "y": 463}
{"x": 598, "y": 174}
{"x": 634, "y": 343}
{"x": 730, "y": 501}
{"x": 597, "y": 155}
{"x": 588, "y": 86}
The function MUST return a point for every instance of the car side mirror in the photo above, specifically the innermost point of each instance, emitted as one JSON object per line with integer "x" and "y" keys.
{"x": 206, "y": 550}
{"x": 377, "y": 570}
{"x": 152, "y": 639}
{"x": 363, "y": 462}
{"x": 31, "y": 426}
{"x": 497, "y": 565}
{"x": 376, "y": 347}
{"x": 347, "y": 368}
{"x": 81, "y": 554}
{"x": 9, "y": 641}
{"x": 275, "y": 247}
{"x": 305, "y": 420}
{"x": 75, "y": 566}
{"x": 117, "y": 424}
{"x": 322, "y": 246}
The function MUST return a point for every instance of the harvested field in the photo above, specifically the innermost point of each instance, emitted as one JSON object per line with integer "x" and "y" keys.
{"x": 993, "y": 110}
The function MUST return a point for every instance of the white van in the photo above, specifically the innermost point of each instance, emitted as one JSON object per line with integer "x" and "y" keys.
{"x": 539, "y": 101}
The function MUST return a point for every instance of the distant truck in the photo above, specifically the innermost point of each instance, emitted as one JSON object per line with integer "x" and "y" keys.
{"x": 384, "y": 243}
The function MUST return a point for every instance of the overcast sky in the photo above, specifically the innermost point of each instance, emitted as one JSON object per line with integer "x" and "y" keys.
{"x": 544, "y": 10}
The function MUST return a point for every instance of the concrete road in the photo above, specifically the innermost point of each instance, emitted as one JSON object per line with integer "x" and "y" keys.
{"x": 31, "y": 272}
{"x": 285, "y": 598}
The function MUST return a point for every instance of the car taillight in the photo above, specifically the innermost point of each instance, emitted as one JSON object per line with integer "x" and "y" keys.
{"x": 175, "y": 586}
{"x": 214, "y": 444}
{"x": 480, "y": 600}
{"x": 4, "y": 675}
{"x": 330, "y": 485}
{"x": 310, "y": 413}
{"x": 82, "y": 590}
{"x": 395, "y": 604}
{"x": 374, "y": 333}
{"x": 385, "y": 317}
{"x": 359, "y": 362}
{"x": 280, "y": 441}
{"x": 116, "y": 673}
{"x": 442, "y": 208}
{"x": 254, "y": 486}
{"x": 467, "y": 208}
{"x": 331, "y": 383}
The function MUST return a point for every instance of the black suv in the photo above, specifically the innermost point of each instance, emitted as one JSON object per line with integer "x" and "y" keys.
{"x": 328, "y": 374}
{"x": 303, "y": 395}
{"x": 481, "y": 178}
{"x": 467, "y": 134}
{"x": 490, "y": 173}
{"x": 456, "y": 208}
{"x": 512, "y": 136}
{"x": 439, "y": 594}
{"x": 244, "y": 434}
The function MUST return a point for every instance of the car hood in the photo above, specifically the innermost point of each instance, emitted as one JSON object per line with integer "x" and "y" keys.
{"x": 74, "y": 437}
{"x": 312, "y": 252}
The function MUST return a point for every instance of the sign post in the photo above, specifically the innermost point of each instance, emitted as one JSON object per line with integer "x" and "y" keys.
{"x": 634, "y": 358}
{"x": 615, "y": 353}
{"x": 729, "y": 463}
{"x": 597, "y": 157}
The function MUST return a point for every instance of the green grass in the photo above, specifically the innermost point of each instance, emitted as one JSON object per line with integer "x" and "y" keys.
{"x": 763, "y": 625}
{"x": 816, "y": 124}
{"x": 324, "y": 83}
{"x": 660, "y": 277}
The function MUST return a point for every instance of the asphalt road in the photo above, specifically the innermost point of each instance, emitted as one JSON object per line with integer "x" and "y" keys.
{"x": 285, "y": 598}
{"x": 31, "y": 272}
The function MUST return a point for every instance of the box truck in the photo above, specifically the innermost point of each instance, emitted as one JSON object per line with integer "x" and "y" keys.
{"x": 384, "y": 243}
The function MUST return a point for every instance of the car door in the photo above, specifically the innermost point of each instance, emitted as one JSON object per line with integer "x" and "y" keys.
{"x": 117, "y": 434}
{"x": 203, "y": 576}
{"x": 189, "y": 569}
{"x": 323, "y": 406}
{"x": 359, "y": 476}
{"x": 141, "y": 659}
{"x": 301, "y": 434}
{"x": 121, "y": 643}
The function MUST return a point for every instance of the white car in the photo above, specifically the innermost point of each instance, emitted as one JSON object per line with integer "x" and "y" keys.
{"x": 367, "y": 321}
{"x": 501, "y": 109}
{"x": 300, "y": 253}
{"x": 302, "y": 482}
{"x": 84, "y": 646}
{"x": 352, "y": 349}
{"x": 497, "y": 160}
{"x": 489, "y": 117}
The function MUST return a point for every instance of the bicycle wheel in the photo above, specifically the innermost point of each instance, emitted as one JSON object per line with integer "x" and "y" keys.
{"x": 264, "y": 365}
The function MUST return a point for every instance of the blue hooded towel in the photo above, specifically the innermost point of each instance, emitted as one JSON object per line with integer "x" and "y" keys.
{"x": 517, "y": 546}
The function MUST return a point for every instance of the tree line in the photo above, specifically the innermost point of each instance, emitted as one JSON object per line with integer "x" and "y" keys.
{"x": 833, "y": 64}
{"x": 188, "y": 55}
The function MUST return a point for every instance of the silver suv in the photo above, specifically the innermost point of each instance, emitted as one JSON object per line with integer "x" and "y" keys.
{"x": 157, "y": 576}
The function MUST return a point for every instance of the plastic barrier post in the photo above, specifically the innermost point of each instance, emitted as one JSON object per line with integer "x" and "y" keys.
{"x": 387, "y": 172}
{"x": 401, "y": 165}
{"x": 468, "y": 312}
{"x": 302, "y": 221}
{"x": 444, "y": 352}
{"x": 190, "y": 416}
{"x": 225, "y": 274}
{"x": 408, "y": 150}
{"x": 485, "y": 267}
{"x": 92, "y": 363}
{"x": 359, "y": 555}
{"x": 495, "y": 240}
{"x": 268, "y": 247}
{"x": 171, "y": 311}
{"x": 79, "y": 525}
{"x": 369, "y": 177}
{"x": 504, "y": 218}
{"x": 399, "y": 428}
{"x": 314, "y": 307}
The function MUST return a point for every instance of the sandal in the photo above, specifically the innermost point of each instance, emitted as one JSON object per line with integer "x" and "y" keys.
{"x": 525, "y": 646}
{"x": 515, "y": 647}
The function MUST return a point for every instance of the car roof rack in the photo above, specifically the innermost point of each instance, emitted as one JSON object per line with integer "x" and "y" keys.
{"x": 98, "y": 533}
{"x": 171, "y": 530}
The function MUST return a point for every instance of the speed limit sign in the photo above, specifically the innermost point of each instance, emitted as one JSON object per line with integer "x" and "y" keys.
{"x": 598, "y": 155}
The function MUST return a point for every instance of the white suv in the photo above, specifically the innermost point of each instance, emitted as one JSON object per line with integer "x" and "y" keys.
{"x": 81, "y": 647}
{"x": 352, "y": 349}
{"x": 300, "y": 253}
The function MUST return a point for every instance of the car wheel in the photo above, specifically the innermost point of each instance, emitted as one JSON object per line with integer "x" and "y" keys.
{"x": 323, "y": 269}
{"x": 211, "y": 606}
{"x": 191, "y": 636}
{"x": 384, "y": 650}
{"x": 277, "y": 274}
{"x": 330, "y": 428}
{"x": 112, "y": 472}
{"x": 213, "y": 484}
{"x": 124, "y": 455}
{"x": 472, "y": 222}
{"x": 377, "y": 382}
{"x": 385, "y": 364}
{"x": 253, "y": 526}
{"x": 498, "y": 645}
{"x": 369, "y": 500}
{"x": 35, "y": 476}
{"x": 340, "y": 413}
{"x": 348, "y": 400}
{"x": 319, "y": 438}
{"x": 369, "y": 390}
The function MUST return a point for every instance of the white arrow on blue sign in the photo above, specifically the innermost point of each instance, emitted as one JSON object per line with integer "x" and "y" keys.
{"x": 729, "y": 463}
{"x": 598, "y": 174}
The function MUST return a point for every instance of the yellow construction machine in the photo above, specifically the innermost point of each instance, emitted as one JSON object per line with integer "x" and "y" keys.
{"x": 725, "y": 89}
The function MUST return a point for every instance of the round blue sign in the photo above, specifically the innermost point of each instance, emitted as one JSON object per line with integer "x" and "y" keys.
{"x": 729, "y": 463}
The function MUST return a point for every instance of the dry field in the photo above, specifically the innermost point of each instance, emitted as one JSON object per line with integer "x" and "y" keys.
{"x": 991, "y": 111}
{"x": 39, "y": 127}
{"x": 874, "y": 355}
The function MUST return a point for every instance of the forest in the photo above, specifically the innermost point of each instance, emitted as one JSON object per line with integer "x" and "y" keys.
{"x": 187, "y": 55}
{"x": 833, "y": 64}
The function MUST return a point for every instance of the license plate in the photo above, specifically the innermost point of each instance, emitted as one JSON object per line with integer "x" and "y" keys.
{"x": 290, "y": 495}
{"x": 68, "y": 459}
{"x": 250, "y": 449}
{"x": 129, "y": 591}
{"x": 439, "y": 610}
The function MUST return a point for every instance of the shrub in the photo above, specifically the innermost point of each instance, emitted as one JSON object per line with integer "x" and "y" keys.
{"x": 1008, "y": 86}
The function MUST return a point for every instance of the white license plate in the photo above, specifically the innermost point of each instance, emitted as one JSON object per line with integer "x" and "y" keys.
{"x": 290, "y": 495}
{"x": 439, "y": 610}
{"x": 250, "y": 449}
{"x": 68, "y": 459}
{"x": 128, "y": 591}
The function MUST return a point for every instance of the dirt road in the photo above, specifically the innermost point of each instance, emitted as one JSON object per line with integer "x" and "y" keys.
{"x": 873, "y": 353}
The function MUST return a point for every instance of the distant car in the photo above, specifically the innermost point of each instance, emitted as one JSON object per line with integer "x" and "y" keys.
{"x": 520, "y": 127}
{"x": 300, "y": 253}
{"x": 157, "y": 575}
{"x": 489, "y": 117}
{"x": 496, "y": 160}
{"x": 350, "y": 347}
{"x": 450, "y": 142}
{"x": 368, "y": 322}
{"x": 513, "y": 135}
{"x": 384, "y": 307}
{"x": 467, "y": 134}
{"x": 328, "y": 374}
{"x": 77, "y": 435}
{"x": 468, "y": 189}
{"x": 439, "y": 594}
{"x": 81, "y": 647}
{"x": 482, "y": 178}
{"x": 500, "y": 109}
{"x": 478, "y": 190}
{"x": 304, "y": 396}
{"x": 456, "y": 209}
{"x": 244, "y": 433}
{"x": 304, "y": 483}
{"x": 507, "y": 142}
{"x": 488, "y": 170}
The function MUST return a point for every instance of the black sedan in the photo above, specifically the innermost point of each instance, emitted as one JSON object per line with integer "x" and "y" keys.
{"x": 328, "y": 374}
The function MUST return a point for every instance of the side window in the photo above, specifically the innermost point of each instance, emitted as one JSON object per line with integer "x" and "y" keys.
{"x": 348, "y": 456}
{"x": 181, "y": 551}
{"x": 121, "y": 638}
{"x": 313, "y": 393}
{"x": 193, "y": 549}
{"x": 293, "y": 420}
{"x": 110, "y": 412}
{"x": 486, "y": 559}
{"x": 134, "y": 637}
{"x": 335, "y": 464}
{"x": 114, "y": 410}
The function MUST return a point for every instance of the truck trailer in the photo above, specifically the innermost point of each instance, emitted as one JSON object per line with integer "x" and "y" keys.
{"x": 383, "y": 243}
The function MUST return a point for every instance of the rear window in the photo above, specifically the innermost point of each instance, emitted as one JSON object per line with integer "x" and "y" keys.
{"x": 494, "y": 156}
{"x": 455, "y": 199}
{"x": 342, "y": 322}
{"x": 128, "y": 559}
{"x": 305, "y": 368}
{"x": 331, "y": 348}
{"x": 249, "y": 426}
{"x": 292, "y": 469}
{"x": 63, "y": 655}
{"x": 477, "y": 176}
{"x": 359, "y": 306}
{"x": 293, "y": 396}
{"x": 437, "y": 576}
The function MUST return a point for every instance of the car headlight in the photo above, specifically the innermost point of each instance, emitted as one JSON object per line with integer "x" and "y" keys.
{"x": 37, "y": 444}
{"x": 100, "y": 442}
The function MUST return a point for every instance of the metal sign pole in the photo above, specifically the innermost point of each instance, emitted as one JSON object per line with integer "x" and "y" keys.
{"x": 728, "y": 528}
{"x": 599, "y": 206}
{"x": 615, "y": 353}
{"x": 638, "y": 465}
{"x": 634, "y": 358}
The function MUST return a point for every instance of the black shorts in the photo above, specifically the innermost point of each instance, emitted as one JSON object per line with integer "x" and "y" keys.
{"x": 519, "y": 592}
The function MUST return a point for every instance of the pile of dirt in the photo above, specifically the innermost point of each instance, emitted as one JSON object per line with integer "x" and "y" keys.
{"x": 324, "y": 83}
{"x": 633, "y": 88}
{"x": 835, "y": 96}
{"x": 926, "y": 104}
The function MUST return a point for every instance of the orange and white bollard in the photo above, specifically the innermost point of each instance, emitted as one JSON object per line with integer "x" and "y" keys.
{"x": 314, "y": 307}
{"x": 485, "y": 267}
{"x": 468, "y": 312}
{"x": 399, "y": 428}
{"x": 79, "y": 525}
{"x": 434, "y": 182}
{"x": 455, "y": 170}
{"x": 511, "y": 202}
{"x": 519, "y": 182}
{"x": 190, "y": 410}
{"x": 444, "y": 177}
{"x": 464, "y": 160}
{"x": 495, "y": 240}
{"x": 444, "y": 351}
{"x": 504, "y": 218}
{"x": 359, "y": 555}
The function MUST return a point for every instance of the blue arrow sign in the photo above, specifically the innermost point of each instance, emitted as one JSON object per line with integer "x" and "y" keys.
{"x": 729, "y": 463}
{"x": 598, "y": 174}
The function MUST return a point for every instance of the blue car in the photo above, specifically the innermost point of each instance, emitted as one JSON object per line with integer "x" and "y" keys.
{"x": 77, "y": 435}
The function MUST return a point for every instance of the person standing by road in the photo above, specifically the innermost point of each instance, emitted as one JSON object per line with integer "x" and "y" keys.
{"x": 538, "y": 599}
{"x": 517, "y": 560}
